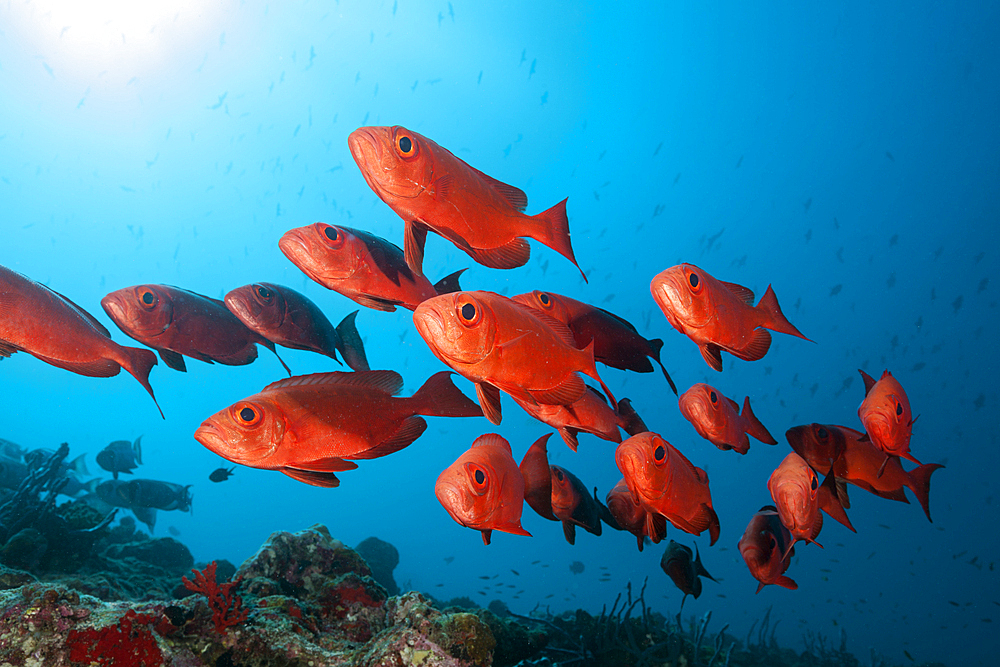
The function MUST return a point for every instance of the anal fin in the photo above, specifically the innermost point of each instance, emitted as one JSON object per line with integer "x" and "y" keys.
{"x": 760, "y": 343}
{"x": 508, "y": 256}
{"x": 489, "y": 401}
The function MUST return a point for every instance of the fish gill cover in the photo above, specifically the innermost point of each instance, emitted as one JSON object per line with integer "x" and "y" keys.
{"x": 845, "y": 157}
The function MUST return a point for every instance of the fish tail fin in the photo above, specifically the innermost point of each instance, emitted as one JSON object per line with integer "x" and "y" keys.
{"x": 631, "y": 421}
{"x": 657, "y": 345}
{"x": 592, "y": 373}
{"x": 920, "y": 484}
{"x": 754, "y": 427}
{"x": 774, "y": 319}
{"x": 699, "y": 568}
{"x": 449, "y": 284}
{"x": 534, "y": 469}
{"x": 351, "y": 346}
{"x": 553, "y": 230}
{"x": 139, "y": 363}
{"x": 439, "y": 397}
{"x": 79, "y": 466}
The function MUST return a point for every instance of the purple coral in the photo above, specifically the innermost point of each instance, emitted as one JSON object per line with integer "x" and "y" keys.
{"x": 227, "y": 607}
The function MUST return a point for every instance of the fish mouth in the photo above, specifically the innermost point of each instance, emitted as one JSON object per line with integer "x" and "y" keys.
{"x": 454, "y": 502}
{"x": 213, "y": 438}
{"x": 430, "y": 324}
{"x": 367, "y": 150}
{"x": 672, "y": 297}
{"x": 630, "y": 462}
{"x": 239, "y": 305}
{"x": 114, "y": 307}
{"x": 298, "y": 250}
{"x": 695, "y": 407}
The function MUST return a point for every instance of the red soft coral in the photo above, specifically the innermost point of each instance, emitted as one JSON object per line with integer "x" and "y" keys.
{"x": 227, "y": 607}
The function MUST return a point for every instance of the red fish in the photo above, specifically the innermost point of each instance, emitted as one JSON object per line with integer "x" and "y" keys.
{"x": 799, "y": 497}
{"x": 501, "y": 345}
{"x": 361, "y": 266}
{"x": 843, "y": 451}
{"x": 483, "y": 489}
{"x": 50, "y": 327}
{"x": 684, "y": 568}
{"x": 887, "y": 417}
{"x": 285, "y": 317}
{"x": 569, "y": 500}
{"x": 312, "y": 426}
{"x": 432, "y": 190}
{"x": 616, "y": 341}
{"x": 718, "y": 419}
{"x": 766, "y": 547}
{"x": 176, "y": 322}
{"x": 589, "y": 414}
{"x": 631, "y": 516}
{"x": 717, "y": 315}
{"x": 665, "y": 481}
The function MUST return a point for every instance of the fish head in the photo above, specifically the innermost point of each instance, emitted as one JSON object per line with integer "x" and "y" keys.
{"x": 396, "y": 163}
{"x": 625, "y": 508}
{"x": 683, "y": 293}
{"x": 565, "y": 494}
{"x": 794, "y": 487}
{"x": 887, "y": 416}
{"x": 325, "y": 253}
{"x": 474, "y": 488}
{"x": 553, "y": 305}
{"x": 459, "y": 328}
{"x": 144, "y": 310}
{"x": 644, "y": 460}
{"x": 247, "y": 432}
{"x": 260, "y": 306}
{"x": 706, "y": 408}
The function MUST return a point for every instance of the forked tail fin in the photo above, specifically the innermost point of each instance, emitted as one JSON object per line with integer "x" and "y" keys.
{"x": 553, "y": 230}
{"x": 439, "y": 397}
{"x": 920, "y": 484}
{"x": 139, "y": 363}
{"x": 774, "y": 319}
{"x": 754, "y": 427}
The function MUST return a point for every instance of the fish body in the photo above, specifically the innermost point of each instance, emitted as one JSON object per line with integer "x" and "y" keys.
{"x": 221, "y": 474}
{"x": 766, "y": 547}
{"x": 432, "y": 190}
{"x": 154, "y": 494}
{"x": 664, "y": 481}
{"x": 886, "y": 415}
{"x": 177, "y": 323}
{"x": 684, "y": 568}
{"x": 483, "y": 488}
{"x": 616, "y": 341}
{"x": 312, "y": 426}
{"x": 852, "y": 458}
{"x": 50, "y": 327}
{"x": 501, "y": 345}
{"x": 588, "y": 414}
{"x": 121, "y": 456}
{"x": 629, "y": 513}
{"x": 794, "y": 487}
{"x": 718, "y": 419}
{"x": 286, "y": 317}
{"x": 717, "y": 315}
{"x": 361, "y": 266}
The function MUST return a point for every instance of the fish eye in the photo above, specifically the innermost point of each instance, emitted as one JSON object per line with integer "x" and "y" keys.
{"x": 405, "y": 144}
{"x": 331, "y": 233}
{"x": 148, "y": 299}
{"x": 814, "y": 483}
{"x": 822, "y": 433}
{"x": 247, "y": 415}
{"x": 468, "y": 313}
{"x": 559, "y": 475}
{"x": 334, "y": 238}
{"x": 899, "y": 409}
{"x": 263, "y": 293}
{"x": 480, "y": 477}
{"x": 694, "y": 280}
{"x": 659, "y": 453}
{"x": 544, "y": 299}
{"x": 713, "y": 397}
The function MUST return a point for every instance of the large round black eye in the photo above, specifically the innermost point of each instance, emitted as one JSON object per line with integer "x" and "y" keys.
{"x": 405, "y": 145}
{"x": 899, "y": 409}
{"x": 147, "y": 298}
{"x": 715, "y": 399}
{"x": 247, "y": 414}
{"x": 544, "y": 299}
{"x": 693, "y": 279}
{"x": 659, "y": 453}
{"x": 815, "y": 483}
{"x": 559, "y": 475}
{"x": 263, "y": 292}
{"x": 331, "y": 233}
{"x": 480, "y": 477}
{"x": 822, "y": 433}
{"x": 468, "y": 312}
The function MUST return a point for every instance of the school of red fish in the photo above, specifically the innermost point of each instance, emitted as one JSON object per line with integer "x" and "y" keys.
{"x": 535, "y": 347}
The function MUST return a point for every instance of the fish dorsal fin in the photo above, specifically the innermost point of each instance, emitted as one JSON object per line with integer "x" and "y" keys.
{"x": 733, "y": 404}
{"x": 514, "y": 196}
{"x": 494, "y": 440}
{"x": 869, "y": 381}
{"x": 388, "y": 382}
{"x": 744, "y": 294}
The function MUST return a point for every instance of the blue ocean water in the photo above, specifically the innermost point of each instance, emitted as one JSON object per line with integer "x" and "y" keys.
{"x": 846, "y": 155}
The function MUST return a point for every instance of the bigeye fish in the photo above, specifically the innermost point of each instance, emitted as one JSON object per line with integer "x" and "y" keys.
{"x": 718, "y": 419}
{"x": 717, "y": 315}
{"x": 483, "y": 488}
{"x": 286, "y": 317}
{"x": 766, "y": 547}
{"x": 887, "y": 417}
{"x": 432, "y": 190}
{"x": 50, "y": 327}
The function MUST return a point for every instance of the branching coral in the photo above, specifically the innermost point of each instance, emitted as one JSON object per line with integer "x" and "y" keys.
{"x": 227, "y": 607}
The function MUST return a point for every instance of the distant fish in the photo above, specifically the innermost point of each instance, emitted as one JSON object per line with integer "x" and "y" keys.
{"x": 835, "y": 290}
{"x": 576, "y": 567}
{"x": 718, "y": 419}
{"x": 739, "y": 162}
{"x": 889, "y": 155}
{"x": 221, "y": 474}
{"x": 121, "y": 456}
{"x": 684, "y": 568}
{"x": 807, "y": 204}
